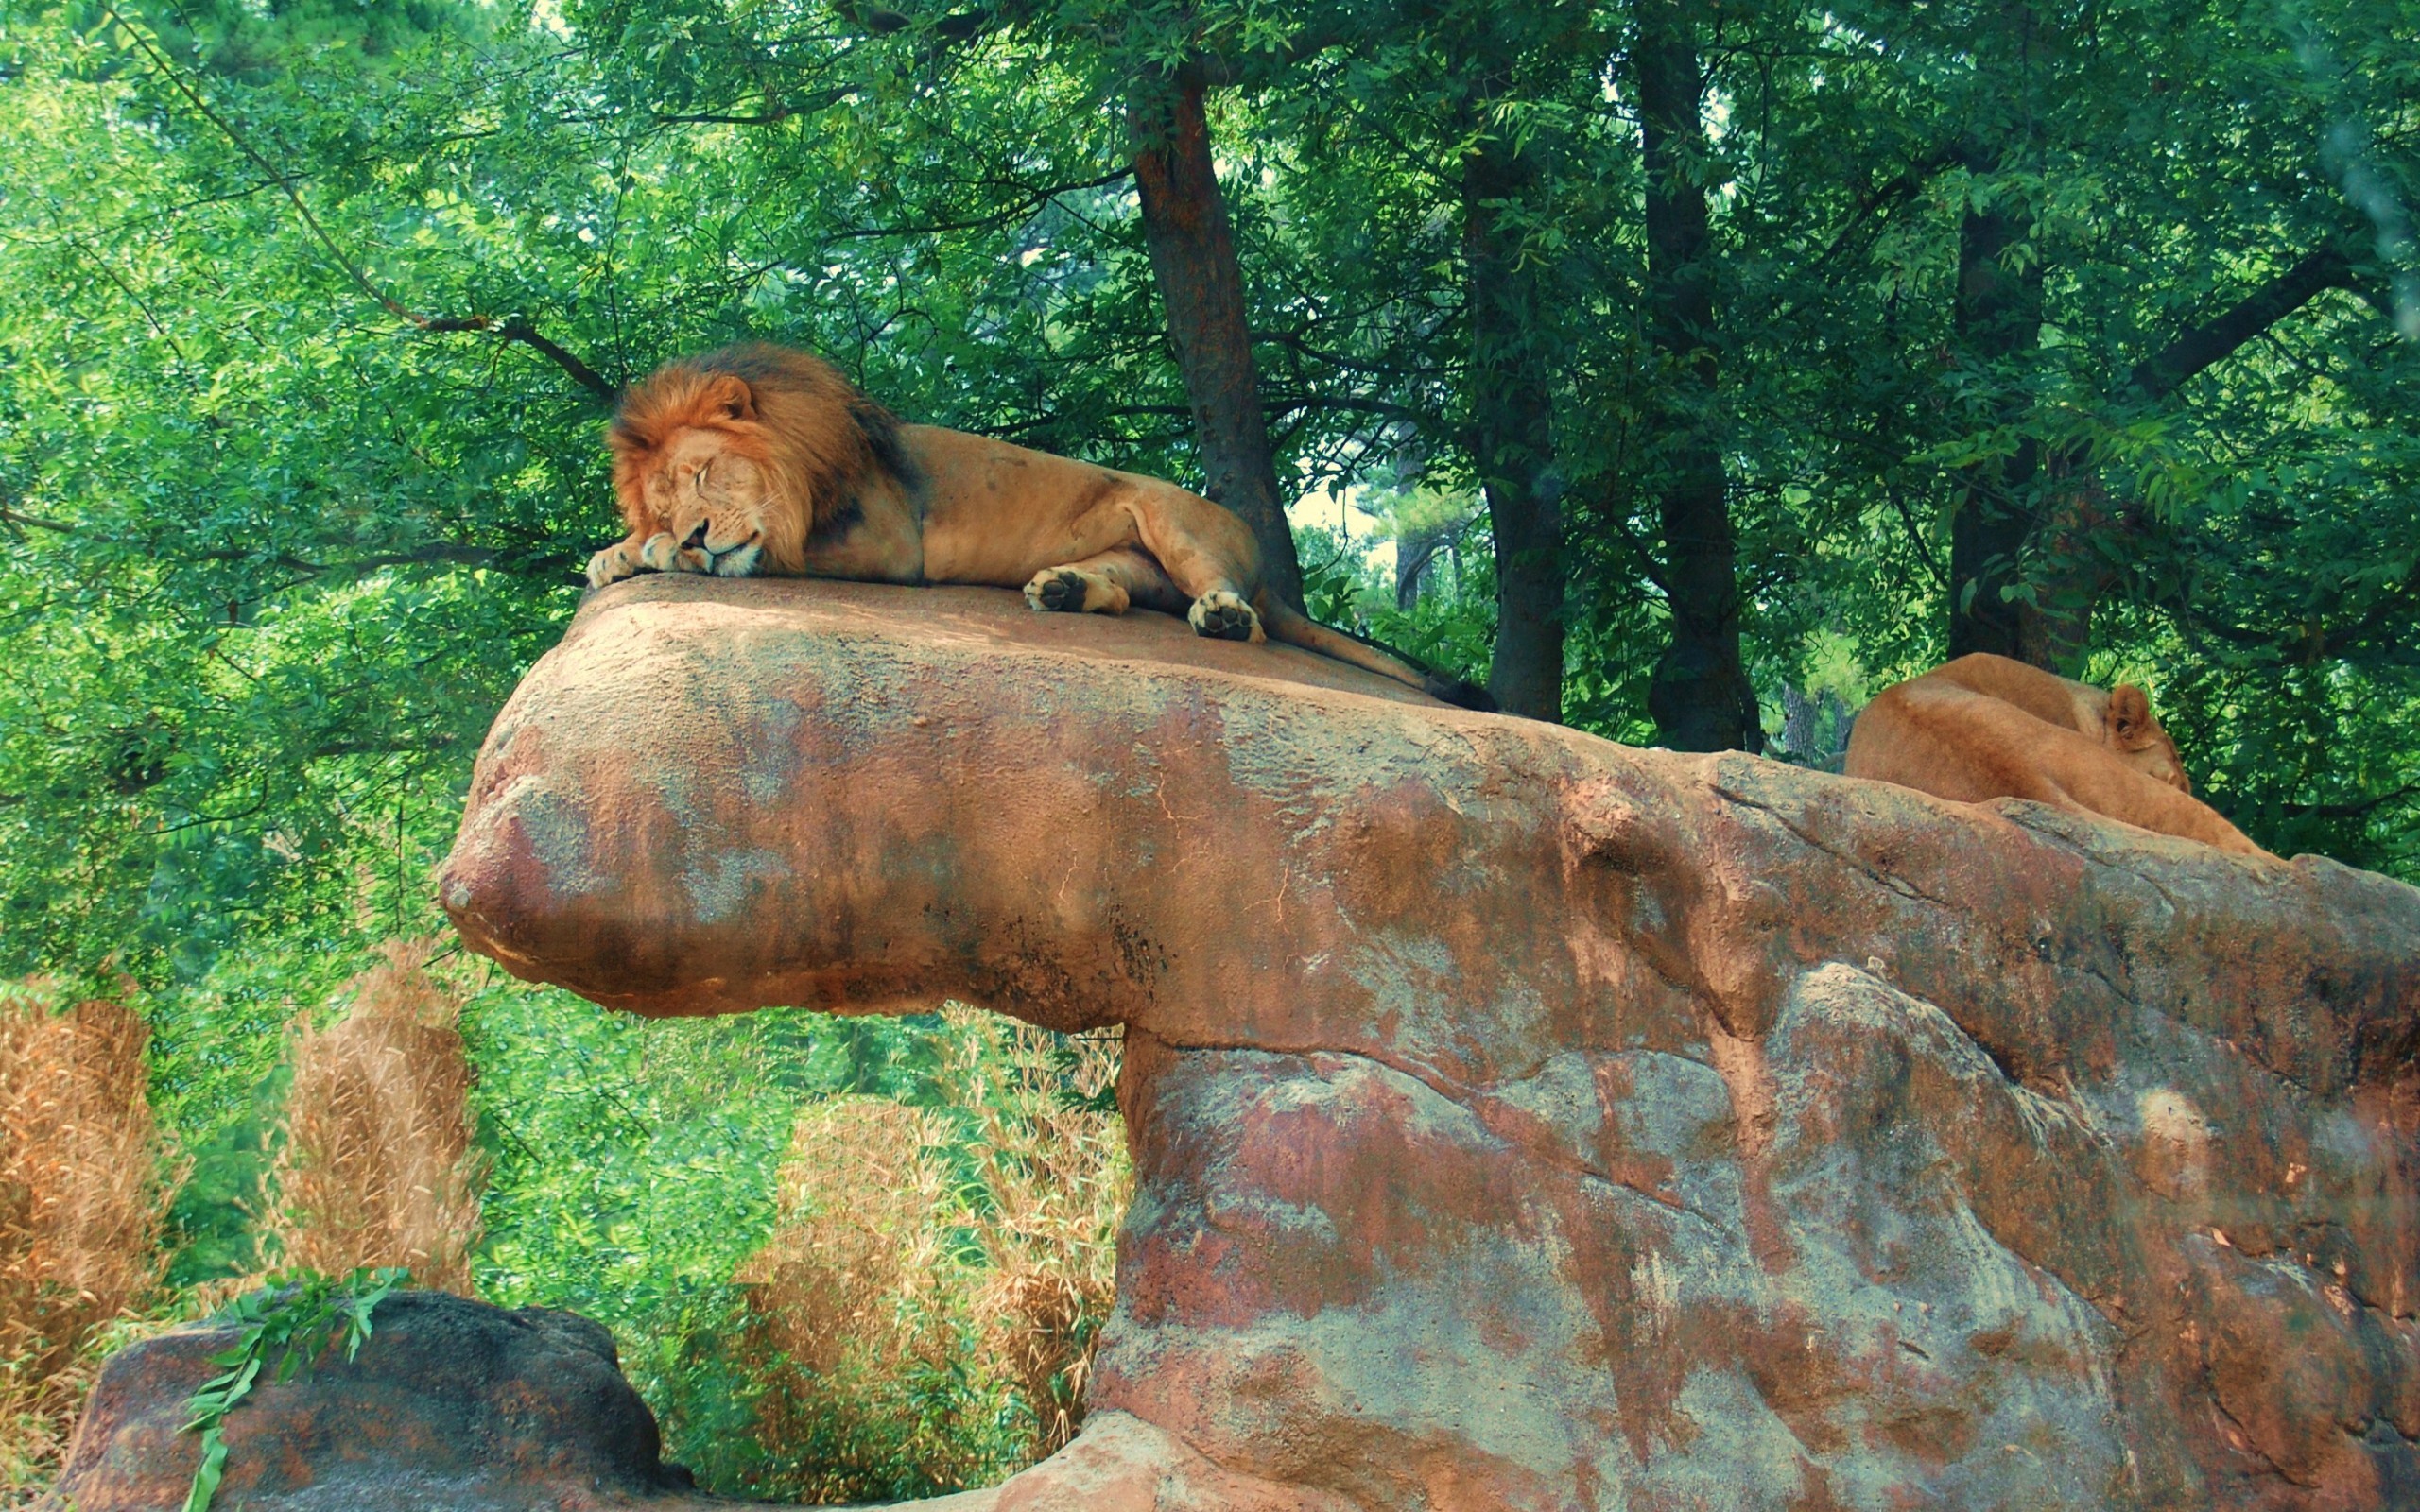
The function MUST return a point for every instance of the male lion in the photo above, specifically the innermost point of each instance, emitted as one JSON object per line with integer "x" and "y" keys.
{"x": 760, "y": 459}
{"x": 1985, "y": 726}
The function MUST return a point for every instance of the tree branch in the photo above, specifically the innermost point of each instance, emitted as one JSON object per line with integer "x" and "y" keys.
{"x": 1032, "y": 202}
{"x": 436, "y": 553}
{"x": 515, "y": 328}
{"x": 1367, "y": 407}
{"x": 511, "y": 329}
{"x": 2348, "y": 810}
{"x": 882, "y": 22}
{"x": 183, "y": 86}
{"x": 1221, "y": 70}
{"x": 2214, "y": 340}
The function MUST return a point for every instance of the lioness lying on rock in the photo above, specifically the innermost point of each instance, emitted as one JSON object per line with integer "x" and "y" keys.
{"x": 757, "y": 459}
{"x": 1985, "y": 726}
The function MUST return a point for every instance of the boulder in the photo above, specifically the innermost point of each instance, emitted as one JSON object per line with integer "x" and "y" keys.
{"x": 1523, "y": 1120}
{"x": 451, "y": 1406}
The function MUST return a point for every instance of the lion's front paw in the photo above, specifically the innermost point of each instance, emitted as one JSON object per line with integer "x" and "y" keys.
{"x": 612, "y": 564}
{"x": 663, "y": 554}
{"x": 1223, "y": 616}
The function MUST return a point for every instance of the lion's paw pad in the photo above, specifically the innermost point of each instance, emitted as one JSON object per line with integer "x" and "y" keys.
{"x": 1224, "y": 617}
{"x": 1057, "y": 592}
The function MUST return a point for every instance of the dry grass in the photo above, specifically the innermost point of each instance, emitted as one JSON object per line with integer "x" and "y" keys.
{"x": 377, "y": 1167}
{"x": 855, "y": 1306}
{"x": 899, "y": 1309}
{"x": 1054, "y": 1173}
{"x": 82, "y": 1196}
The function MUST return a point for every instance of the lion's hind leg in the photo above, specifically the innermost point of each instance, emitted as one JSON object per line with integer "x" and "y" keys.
{"x": 1207, "y": 553}
{"x": 1108, "y": 583}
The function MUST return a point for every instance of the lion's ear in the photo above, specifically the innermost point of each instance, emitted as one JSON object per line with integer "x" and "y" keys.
{"x": 728, "y": 398}
{"x": 2130, "y": 725}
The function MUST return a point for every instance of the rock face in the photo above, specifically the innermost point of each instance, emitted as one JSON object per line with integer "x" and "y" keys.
{"x": 451, "y": 1406}
{"x": 1523, "y": 1120}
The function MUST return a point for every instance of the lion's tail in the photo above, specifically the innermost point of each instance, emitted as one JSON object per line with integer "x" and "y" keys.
{"x": 1283, "y": 624}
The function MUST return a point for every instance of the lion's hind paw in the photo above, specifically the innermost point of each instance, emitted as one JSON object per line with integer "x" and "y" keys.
{"x": 1073, "y": 590}
{"x": 1056, "y": 590}
{"x": 1224, "y": 616}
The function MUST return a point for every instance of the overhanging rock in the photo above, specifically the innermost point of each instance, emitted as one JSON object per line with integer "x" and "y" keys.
{"x": 1520, "y": 1120}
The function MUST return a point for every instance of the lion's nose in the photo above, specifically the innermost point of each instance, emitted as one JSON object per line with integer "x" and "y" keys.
{"x": 697, "y": 538}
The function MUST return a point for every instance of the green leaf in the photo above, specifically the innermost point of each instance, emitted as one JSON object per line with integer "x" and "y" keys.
{"x": 206, "y": 1477}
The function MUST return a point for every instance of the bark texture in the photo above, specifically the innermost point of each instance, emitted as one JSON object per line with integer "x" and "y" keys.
{"x": 1521, "y": 1121}
{"x": 1511, "y": 433}
{"x": 1998, "y": 316}
{"x": 1699, "y": 695}
{"x": 1200, "y": 284}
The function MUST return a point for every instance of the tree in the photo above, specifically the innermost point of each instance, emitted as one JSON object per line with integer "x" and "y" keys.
{"x": 1701, "y": 697}
{"x": 1511, "y": 403}
{"x": 1193, "y": 260}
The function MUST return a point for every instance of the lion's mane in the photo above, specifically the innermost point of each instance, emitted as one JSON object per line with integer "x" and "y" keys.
{"x": 817, "y": 437}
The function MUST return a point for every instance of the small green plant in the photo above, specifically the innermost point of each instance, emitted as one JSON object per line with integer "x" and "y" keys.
{"x": 296, "y": 1320}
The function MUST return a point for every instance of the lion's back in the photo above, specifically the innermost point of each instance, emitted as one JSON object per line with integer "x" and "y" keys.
{"x": 1940, "y": 735}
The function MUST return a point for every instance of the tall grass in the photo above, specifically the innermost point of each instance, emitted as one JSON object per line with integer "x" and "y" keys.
{"x": 924, "y": 1315}
{"x": 921, "y": 1318}
{"x": 1049, "y": 1152}
{"x": 858, "y": 1329}
{"x": 82, "y": 1198}
{"x": 377, "y": 1167}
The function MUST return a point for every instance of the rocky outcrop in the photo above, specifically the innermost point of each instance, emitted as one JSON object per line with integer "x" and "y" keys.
{"x": 1522, "y": 1120}
{"x": 450, "y": 1404}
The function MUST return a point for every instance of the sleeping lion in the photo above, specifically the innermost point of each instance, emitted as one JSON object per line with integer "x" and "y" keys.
{"x": 1985, "y": 726}
{"x": 757, "y": 459}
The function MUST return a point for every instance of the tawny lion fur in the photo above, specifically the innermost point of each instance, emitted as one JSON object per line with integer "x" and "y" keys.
{"x": 1985, "y": 726}
{"x": 757, "y": 459}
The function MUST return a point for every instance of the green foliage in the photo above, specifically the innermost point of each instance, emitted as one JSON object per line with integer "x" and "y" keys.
{"x": 290, "y": 499}
{"x": 633, "y": 1172}
{"x": 278, "y": 551}
{"x": 296, "y": 1320}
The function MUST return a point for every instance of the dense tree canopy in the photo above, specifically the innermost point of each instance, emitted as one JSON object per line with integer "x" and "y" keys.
{"x": 1711, "y": 364}
{"x": 1708, "y": 364}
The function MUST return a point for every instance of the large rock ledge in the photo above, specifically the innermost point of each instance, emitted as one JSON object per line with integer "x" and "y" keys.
{"x": 1523, "y": 1120}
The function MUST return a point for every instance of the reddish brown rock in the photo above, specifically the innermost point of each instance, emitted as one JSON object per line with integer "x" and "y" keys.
{"x": 1523, "y": 1120}
{"x": 450, "y": 1404}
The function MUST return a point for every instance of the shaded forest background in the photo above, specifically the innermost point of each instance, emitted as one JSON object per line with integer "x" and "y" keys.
{"x": 1706, "y": 364}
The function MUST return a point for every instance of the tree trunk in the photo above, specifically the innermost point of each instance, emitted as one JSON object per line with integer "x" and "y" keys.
{"x": 1699, "y": 695}
{"x": 1998, "y": 314}
{"x": 1512, "y": 437}
{"x": 1193, "y": 261}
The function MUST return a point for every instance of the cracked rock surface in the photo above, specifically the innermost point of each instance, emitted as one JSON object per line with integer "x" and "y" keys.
{"x": 1522, "y": 1120}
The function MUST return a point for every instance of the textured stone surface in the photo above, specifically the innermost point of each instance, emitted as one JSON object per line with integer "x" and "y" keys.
{"x": 1523, "y": 1120}
{"x": 451, "y": 1406}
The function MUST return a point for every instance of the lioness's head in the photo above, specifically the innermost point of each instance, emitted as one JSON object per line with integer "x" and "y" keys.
{"x": 742, "y": 453}
{"x": 2140, "y": 741}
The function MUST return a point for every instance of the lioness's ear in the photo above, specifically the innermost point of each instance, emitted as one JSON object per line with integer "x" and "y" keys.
{"x": 2130, "y": 725}
{"x": 728, "y": 397}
